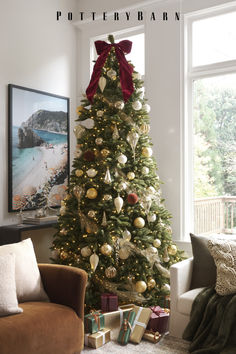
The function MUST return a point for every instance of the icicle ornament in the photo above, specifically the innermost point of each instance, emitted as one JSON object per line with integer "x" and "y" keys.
{"x": 118, "y": 201}
{"x": 107, "y": 178}
{"x": 102, "y": 83}
{"x": 132, "y": 138}
{"x": 115, "y": 134}
{"x": 94, "y": 259}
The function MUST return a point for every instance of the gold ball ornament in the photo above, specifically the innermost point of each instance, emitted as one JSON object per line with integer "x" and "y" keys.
{"x": 119, "y": 104}
{"x": 63, "y": 255}
{"x": 100, "y": 113}
{"x": 151, "y": 283}
{"x": 123, "y": 253}
{"x": 110, "y": 272}
{"x": 86, "y": 251}
{"x": 91, "y": 193}
{"x": 99, "y": 141}
{"x": 156, "y": 242}
{"x": 79, "y": 173}
{"x": 105, "y": 152}
{"x": 145, "y": 128}
{"x": 107, "y": 197}
{"x": 147, "y": 152}
{"x": 106, "y": 249}
{"x": 62, "y": 210}
{"x": 140, "y": 286}
{"x": 91, "y": 213}
{"x": 166, "y": 287}
{"x": 172, "y": 250}
{"x": 139, "y": 222}
{"x": 131, "y": 175}
{"x": 79, "y": 110}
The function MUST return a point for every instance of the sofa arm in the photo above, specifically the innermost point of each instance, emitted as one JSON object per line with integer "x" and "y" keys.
{"x": 65, "y": 285}
{"x": 180, "y": 278}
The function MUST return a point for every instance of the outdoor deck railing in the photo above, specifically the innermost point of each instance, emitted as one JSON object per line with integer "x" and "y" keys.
{"x": 215, "y": 215}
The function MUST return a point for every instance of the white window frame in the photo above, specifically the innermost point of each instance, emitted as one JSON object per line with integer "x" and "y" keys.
{"x": 189, "y": 74}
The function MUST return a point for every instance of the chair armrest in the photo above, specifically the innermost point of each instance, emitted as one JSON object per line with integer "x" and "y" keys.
{"x": 180, "y": 278}
{"x": 65, "y": 285}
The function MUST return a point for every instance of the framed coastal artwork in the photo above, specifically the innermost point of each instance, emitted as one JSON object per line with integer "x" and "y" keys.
{"x": 38, "y": 164}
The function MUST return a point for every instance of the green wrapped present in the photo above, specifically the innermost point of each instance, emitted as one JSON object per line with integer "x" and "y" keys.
{"x": 94, "y": 322}
{"x": 125, "y": 330}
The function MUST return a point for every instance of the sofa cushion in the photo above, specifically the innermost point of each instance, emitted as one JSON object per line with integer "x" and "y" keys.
{"x": 8, "y": 299}
{"x": 42, "y": 328}
{"x": 204, "y": 269}
{"x": 224, "y": 254}
{"x": 29, "y": 286}
{"x": 185, "y": 301}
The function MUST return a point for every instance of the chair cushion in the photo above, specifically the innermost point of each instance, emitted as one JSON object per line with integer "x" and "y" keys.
{"x": 29, "y": 286}
{"x": 8, "y": 299}
{"x": 185, "y": 301}
{"x": 42, "y": 328}
{"x": 204, "y": 269}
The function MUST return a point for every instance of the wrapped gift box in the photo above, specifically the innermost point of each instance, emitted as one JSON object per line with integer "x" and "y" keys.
{"x": 140, "y": 323}
{"x": 109, "y": 302}
{"x": 93, "y": 322}
{"x": 159, "y": 320}
{"x": 151, "y": 336}
{"x": 125, "y": 330}
{"x": 114, "y": 319}
{"x": 98, "y": 339}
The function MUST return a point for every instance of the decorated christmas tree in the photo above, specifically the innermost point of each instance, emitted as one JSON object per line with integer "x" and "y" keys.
{"x": 113, "y": 223}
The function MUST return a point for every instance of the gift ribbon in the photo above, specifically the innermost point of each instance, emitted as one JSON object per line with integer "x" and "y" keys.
{"x": 125, "y": 326}
{"x": 95, "y": 315}
{"x": 136, "y": 321}
{"x": 103, "y": 337}
{"x": 157, "y": 310}
{"x": 103, "y": 49}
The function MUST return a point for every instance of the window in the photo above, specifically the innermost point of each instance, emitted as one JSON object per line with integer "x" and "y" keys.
{"x": 210, "y": 122}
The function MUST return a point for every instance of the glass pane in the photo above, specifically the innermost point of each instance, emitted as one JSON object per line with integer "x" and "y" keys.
{"x": 214, "y": 39}
{"x": 214, "y": 114}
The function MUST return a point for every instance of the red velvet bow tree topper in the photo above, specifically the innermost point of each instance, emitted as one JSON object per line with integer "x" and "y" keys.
{"x": 103, "y": 49}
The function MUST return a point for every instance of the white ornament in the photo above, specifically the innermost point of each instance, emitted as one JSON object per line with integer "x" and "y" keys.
{"x": 104, "y": 219}
{"x": 63, "y": 210}
{"x": 86, "y": 251}
{"x": 102, "y": 83}
{"x": 122, "y": 159}
{"x": 137, "y": 76}
{"x": 166, "y": 287}
{"x": 79, "y": 131}
{"x": 94, "y": 259}
{"x": 152, "y": 249}
{"x": 137, "y": 105}
{"x": 118, "y": 201}
{"x": 145, "y": 170}
{"x": 123, "y": 253}
{"x": 146, "y": 107}
{"x": 111, "y": 73}
{"x": 156, "y": 242}
{"x": 132, "y": 138}
{"x": 126, "y": 235}
{"x": 107, "y": 178}
{"x": 166, "y": 259}
{"x": 119, "y": 104}
{"x": 91, "y": 172}
{"x": 115, "y": 134}
{"x": 151, "y": 218}
{"x": 151, "y": 190}
{"x": 131, "y": 175}
{"x": 122, "y": 186}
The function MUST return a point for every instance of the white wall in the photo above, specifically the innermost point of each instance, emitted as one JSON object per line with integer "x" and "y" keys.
{"x": 162, "y": 81}
{"x": 37, "y": 52}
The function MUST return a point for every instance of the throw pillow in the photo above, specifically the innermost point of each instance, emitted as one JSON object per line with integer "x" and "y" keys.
{"x": 8, "y": 299}
{"x": 204, "y": 269}
{"x": 29, "y": 286}
{"x": 224, "y": 254}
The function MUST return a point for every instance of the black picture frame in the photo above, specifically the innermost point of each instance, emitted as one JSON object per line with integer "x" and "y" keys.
{"x": 38, "y": 148}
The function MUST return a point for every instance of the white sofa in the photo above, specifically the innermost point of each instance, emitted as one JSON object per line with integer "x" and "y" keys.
{"x": 181, "y": 297}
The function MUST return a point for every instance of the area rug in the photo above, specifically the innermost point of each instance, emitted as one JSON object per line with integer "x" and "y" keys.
{"x": 167, "y": 345}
